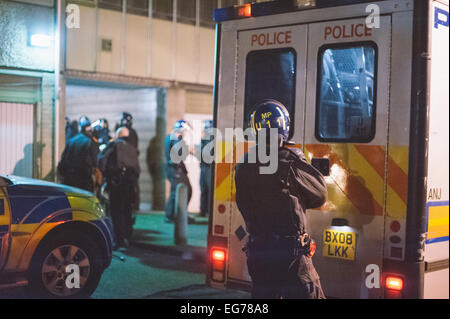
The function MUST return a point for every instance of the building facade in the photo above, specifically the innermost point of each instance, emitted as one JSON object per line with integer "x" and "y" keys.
{"x": 67, "y": 58}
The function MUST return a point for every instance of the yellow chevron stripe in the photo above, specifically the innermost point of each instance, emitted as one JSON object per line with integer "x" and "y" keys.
{"x": 360, "y": 167}
{"x": 396, "y": 207}
{"x": 222, "y": 192}
{"x": 337, "y": 199}
{"x": 400, "y": 155}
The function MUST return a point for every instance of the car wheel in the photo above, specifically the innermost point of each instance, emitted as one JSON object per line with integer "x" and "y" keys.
{"x": 49, "y": 274}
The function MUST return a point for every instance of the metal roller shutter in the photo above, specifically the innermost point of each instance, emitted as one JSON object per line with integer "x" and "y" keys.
{"x": 16, "y": 139}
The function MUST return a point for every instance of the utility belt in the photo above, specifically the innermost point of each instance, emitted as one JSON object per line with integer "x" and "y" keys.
{"x": 302, "y": 244}
{"x": 124, "y": 175}
{"x": 78, "y": 171}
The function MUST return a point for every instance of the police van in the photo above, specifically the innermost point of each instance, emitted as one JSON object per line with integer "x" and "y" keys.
{"x": 366, "y": 86}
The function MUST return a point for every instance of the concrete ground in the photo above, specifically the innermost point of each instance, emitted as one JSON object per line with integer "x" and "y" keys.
{"x": 154, "y": 267}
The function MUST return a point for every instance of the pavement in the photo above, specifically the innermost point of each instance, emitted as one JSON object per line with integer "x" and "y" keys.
{"x": 153, "y": 233}
{"x": 153, "y": 267}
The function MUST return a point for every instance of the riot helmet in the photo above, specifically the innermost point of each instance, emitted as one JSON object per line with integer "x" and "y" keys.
{"x": 270, "y": 114}
{"x": 84, "y": 124}
{"x": 180, "y": 126}
{"x": 207, "y": 124}
{"x": 126, "y": 120}
{"x": 100, "y": 130}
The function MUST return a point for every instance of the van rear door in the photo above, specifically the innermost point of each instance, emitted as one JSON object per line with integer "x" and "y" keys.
{"x": 346, "y": 132}
{"x": 271, "y": 64}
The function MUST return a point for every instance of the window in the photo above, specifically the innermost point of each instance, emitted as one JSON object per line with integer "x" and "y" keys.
{"x": 207, "y": 8}
{"x": 163, "y": 9}
{"x": 110, "y": 4}
{"x": 229, "y": 3}
{"x": 89, "y": 3}
{"x": 346, "y": 91}
{"x": 270, "y": 74}
{"x": 139, "y": 7}
{"x": 186, "y": 11}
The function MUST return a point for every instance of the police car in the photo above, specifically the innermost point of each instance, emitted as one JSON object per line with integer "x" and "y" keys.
{"x": 55, "y": 238}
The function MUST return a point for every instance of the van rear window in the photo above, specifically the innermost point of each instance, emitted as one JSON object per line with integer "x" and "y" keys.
{"x": 270, "y": 74}
{"x": 346, "y": 91}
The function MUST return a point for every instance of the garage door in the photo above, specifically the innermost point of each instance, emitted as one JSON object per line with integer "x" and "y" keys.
{"x": 16, "y": 139}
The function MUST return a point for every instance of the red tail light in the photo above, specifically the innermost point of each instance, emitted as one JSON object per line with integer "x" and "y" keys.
{"x": 394, "y": 283}
{"x": 218, "y": 255}
{"x": 218, "y": 259}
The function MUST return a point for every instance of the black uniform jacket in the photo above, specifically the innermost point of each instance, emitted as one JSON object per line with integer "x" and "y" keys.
{"x": 275, "y": 204}
{"x": 79, "y": 156}
{"x": 117, "y": 156}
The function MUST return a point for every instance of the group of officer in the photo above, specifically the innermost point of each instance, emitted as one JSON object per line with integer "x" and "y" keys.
{"x": 94, "y": 161}
{"x": 279, "y": 248}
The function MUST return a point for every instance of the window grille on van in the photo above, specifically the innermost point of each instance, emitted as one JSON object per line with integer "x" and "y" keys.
{"x": 346, "y": 91}
{"x": 270, "y": 74}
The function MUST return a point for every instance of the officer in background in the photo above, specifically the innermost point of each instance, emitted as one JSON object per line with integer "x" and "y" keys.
{"x": 71, "y": 129}
{"x": 120, "y": 166}
{"x": 273, "y": 206}
{"x": 100, "y": 131}
{"x": 205, "y": 170}
{"x": 176, "y": 170}
{"x": 79, "y": 159}
{"x": 127, "y": 121}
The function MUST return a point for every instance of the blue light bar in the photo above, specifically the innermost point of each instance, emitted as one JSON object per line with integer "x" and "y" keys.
{"x": 224, "y": 14}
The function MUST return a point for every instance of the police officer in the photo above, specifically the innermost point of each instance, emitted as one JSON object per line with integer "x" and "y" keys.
{"x": 273, "y": 206}
{"x": 79, "y": 159}
{"x": 100, "y": 129}
{"x": 127, "y": 121}
{"x": 176, "y": 170}
{"x": 71, "y": 129}
{"x": 119, "y": 163}
{"x": 205, "y": 170}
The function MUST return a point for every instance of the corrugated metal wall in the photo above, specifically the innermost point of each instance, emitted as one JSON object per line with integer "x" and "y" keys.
{"x": 199, "y": 102}
{"x": 106, "y": 102}
{"x": 16, "y": 139}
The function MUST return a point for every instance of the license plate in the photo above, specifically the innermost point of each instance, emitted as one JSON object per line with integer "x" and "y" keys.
{"x": 339, "y": 244}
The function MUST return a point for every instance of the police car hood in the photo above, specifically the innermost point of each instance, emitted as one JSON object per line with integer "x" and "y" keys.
{"x": 40, "y": 185}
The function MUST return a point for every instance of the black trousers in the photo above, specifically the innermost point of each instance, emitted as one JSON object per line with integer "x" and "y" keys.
{"x": 81, "y": 180}
{"x": 277, "y": 272}
{"x": 121, "y": 201}
{"x": 176, "y": 176}
{"x": 205, "y": 187}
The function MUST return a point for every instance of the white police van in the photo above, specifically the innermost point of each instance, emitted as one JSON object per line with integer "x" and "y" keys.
{"x": 366, "y": 85}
